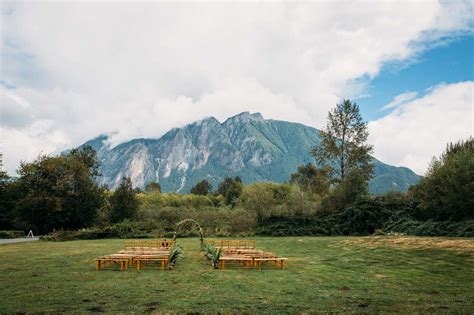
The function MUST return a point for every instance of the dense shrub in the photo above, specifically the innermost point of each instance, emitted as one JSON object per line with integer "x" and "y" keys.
{"x": 201, "y": 188}
{"x": 311, "y": 179}
{"x": 447, "y": 191}
{"x": 266, "y": 200}
{"x": 153, "y": 187}
{"x": 124, "y": 229}
{"x": 411, "y": 226}
{"x": 157, "y": 200}
{"x": 11, "y": 234}
{"x": 353, "y": 186}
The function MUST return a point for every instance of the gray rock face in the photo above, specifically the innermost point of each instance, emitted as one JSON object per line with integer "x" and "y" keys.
{"x": 246, "y": 145}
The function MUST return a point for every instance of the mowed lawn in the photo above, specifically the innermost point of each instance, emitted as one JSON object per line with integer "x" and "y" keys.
{"x": 345, "y": 274}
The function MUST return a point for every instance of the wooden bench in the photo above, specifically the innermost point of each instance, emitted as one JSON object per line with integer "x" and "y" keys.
{"x": 144, "y": 252}
{"x": 260, "y": 261}
{"x": 239, "y": 251}
{"x": 253, "y": 254}
{"x": 141, "y": 260}
{"x": 233, "y": 244}
{"x": 241, "y": 259}
{"x": 101, "y": 261}
{"x": 159, "y": 244}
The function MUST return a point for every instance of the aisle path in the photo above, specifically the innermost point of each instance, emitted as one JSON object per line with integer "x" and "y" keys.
{"x": 18, "y": 240}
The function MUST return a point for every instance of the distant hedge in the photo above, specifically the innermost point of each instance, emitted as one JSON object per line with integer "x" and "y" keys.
{"x": 11, "y": 234}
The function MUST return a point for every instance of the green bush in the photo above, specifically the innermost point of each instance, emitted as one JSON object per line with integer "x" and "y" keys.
{"x": 125, "y": 229}
{"x": 11, "y": 234}
{"x": 156, "y": 200}
{"x": 447, "y": 191}
{"x": 411, "y": 226}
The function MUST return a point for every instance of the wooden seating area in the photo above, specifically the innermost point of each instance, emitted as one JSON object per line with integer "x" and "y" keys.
{"x": 232, "y": 244}
{"x": 245, "y": 253}
{"x": 145, "y": 252}
{"x": 139, "y": 254}
{"x": 149, "y": 244}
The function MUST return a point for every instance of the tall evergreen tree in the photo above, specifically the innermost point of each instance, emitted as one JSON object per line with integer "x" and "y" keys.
{"x": 201, "y": 188}
{"x": 343, "y": 146}
{"x": 123, "y": 202}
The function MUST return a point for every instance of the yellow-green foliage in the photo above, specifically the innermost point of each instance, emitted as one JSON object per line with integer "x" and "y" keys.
{"x": 271, "y": 199}
{"x": 156, "y": 200}
{"x": 164, "y": 211}
{"x": 257, "y": 202}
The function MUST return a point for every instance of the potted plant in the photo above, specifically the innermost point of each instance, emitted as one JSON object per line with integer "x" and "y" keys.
{"x": 213, "y": 254}
{"x": 175, "y": 252}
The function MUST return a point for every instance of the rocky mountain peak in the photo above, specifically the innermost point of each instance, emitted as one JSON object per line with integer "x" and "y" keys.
{"x": 207, "y": 121}
{"x": 244, "y": 117}
{"x": 269, "y": 150}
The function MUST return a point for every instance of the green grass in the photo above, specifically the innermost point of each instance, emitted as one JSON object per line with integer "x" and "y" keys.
{"x": 323, "y": 274}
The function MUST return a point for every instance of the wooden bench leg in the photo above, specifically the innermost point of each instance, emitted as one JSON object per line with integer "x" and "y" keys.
{"x": 97, "y": 265}
{"x": 222, "y": 264}
{"x": 282, "y": 264}
{"x": 138, "y": 263}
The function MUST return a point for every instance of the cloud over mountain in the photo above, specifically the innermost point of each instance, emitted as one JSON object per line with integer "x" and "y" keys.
{"x": 419, "y": 129}
{"x": 142, "y": 68}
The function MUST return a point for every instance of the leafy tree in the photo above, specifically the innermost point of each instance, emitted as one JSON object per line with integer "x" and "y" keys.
{"x": 225, "y": 185}
{"x": 447, "y": 190}
{"x": 201, "y": 188}
{"x": 233, "y": 193}
{"x": 59, "y": 192}
{"x": 88, "y": 156}
{"x": 311, "y": 179}
{"x": 123, "y": 202}
{"x": 153, "y": 187}
{"x": 231, "y": 189}
{"x": 348, "y": 191}
{"x": 343, "y": 144}
{"x": 8, "y": 199}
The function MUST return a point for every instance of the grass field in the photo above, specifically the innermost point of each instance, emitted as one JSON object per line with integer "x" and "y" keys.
{"x": 346, "y": 274}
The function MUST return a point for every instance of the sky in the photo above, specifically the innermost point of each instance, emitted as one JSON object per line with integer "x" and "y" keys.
{"x": 70, "y": 71}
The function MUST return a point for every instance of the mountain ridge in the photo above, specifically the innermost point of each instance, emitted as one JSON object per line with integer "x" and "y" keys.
{"x": 245, "y": 145}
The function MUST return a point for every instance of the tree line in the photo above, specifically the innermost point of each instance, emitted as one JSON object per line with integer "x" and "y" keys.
{"x": 328, "y": 197}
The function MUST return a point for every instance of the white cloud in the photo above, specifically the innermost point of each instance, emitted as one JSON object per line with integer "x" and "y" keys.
{"x": 140, "y": 68}
{"x": 400, "y": 100}
{"x": 420, "y": 129}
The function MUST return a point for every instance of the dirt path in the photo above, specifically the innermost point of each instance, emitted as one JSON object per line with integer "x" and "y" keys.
{"x": 18, "y": 240}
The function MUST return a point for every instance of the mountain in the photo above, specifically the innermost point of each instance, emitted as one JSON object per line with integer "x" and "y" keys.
{"x": 245, "y": 145}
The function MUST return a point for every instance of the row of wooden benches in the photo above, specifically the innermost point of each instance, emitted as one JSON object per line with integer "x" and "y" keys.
{"x": 245, "y": 244}
{"x": 138, "y": 253}
{"x": 252, "y": 261}
{"x": 149, "y": 243}
{"x": 245, "y": 253}
{"x": 126, "y": 260}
